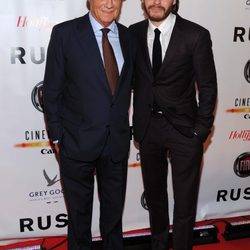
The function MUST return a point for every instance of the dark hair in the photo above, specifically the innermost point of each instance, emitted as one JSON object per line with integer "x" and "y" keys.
{"x": 175, "y": 7}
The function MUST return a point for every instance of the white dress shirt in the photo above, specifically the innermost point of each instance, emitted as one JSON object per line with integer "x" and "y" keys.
{"x": 166, "y": 28}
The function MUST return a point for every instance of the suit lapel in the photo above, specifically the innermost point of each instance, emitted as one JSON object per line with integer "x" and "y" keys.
{"x": 173, "y": 45}
{"x": 90, "y": 49}
{"x": 125, "y": 54}
{"x": 145, "y": 51}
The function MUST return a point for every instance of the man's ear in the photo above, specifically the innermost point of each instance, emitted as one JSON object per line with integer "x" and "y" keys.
{"x": 88, "y": 4}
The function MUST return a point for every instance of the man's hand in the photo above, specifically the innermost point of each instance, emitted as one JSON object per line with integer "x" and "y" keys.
{"x": 56, "y": 145}
{"x": 136, "y": 144}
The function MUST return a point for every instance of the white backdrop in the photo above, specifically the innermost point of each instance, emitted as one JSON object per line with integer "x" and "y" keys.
{"x": 31, "y": 197}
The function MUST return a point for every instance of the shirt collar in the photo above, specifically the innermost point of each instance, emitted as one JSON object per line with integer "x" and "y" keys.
{"x": 97, "y": 26}
{"x": 164, "y": 27}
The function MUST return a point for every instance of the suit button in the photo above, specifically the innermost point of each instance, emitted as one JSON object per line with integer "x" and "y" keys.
{"x": 112, "y": 105}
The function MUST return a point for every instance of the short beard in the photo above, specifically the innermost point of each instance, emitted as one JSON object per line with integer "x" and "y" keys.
{"x": 156, "y": 19}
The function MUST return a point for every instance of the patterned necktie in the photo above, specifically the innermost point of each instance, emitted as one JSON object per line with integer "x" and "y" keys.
{"x": 157, "y": 54}
{"x": 110, "y": 63}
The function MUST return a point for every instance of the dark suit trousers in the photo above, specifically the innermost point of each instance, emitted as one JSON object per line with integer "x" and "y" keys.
{"x": 78, "y": 183}
{"x": 162, "y": 140}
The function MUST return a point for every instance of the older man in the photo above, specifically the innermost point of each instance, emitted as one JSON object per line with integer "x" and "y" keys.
{"x": 87, "y": 89}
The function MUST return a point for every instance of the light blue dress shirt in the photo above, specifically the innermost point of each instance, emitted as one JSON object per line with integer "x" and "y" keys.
{"x": 113, "y": 37}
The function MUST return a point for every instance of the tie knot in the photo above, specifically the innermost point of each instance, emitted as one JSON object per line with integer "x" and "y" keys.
{"x": 105, "y": 31}
{"x": 157, "y": 32}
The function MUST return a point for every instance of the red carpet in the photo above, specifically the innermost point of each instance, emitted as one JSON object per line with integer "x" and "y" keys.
{"x": 239, "y": 244}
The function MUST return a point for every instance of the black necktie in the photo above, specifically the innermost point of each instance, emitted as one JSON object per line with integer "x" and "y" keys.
{"x": 157, "y": 56}
{"x": 110, "y": 63}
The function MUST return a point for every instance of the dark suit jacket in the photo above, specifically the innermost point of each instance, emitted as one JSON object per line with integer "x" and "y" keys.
{"x": 188, "y": 60}
{"x": 79, "y": 107}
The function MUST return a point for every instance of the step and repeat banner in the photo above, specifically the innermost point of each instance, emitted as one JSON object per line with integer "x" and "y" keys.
{"x": 31, "y": 196}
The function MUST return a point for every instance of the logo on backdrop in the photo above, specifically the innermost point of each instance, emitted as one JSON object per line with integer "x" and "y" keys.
{"x": 40, "y": 23}
{"x": 42, "y": 223}
{"x": 234, "y": 194}
{"x": 50, "y": 182}
{"x": 247, "y": 71}
{"x": 37, "y": 96}
{"x": 241, "y": 168}
{"x": 51, "y": 194}
{"x": 36, "y": 139}
{"x": 241, "y": 34}
{"x": 24, "y": 56}
{"x": 135, "y": 162}
{"x": 242, "y": 165}
{"x": 241, "y": 105}
{"x": 243, "y": 135}
{"x": 143, "y": 201}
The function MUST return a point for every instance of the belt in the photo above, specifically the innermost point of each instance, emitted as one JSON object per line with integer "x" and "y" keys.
{"x": 156, "y": 111}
